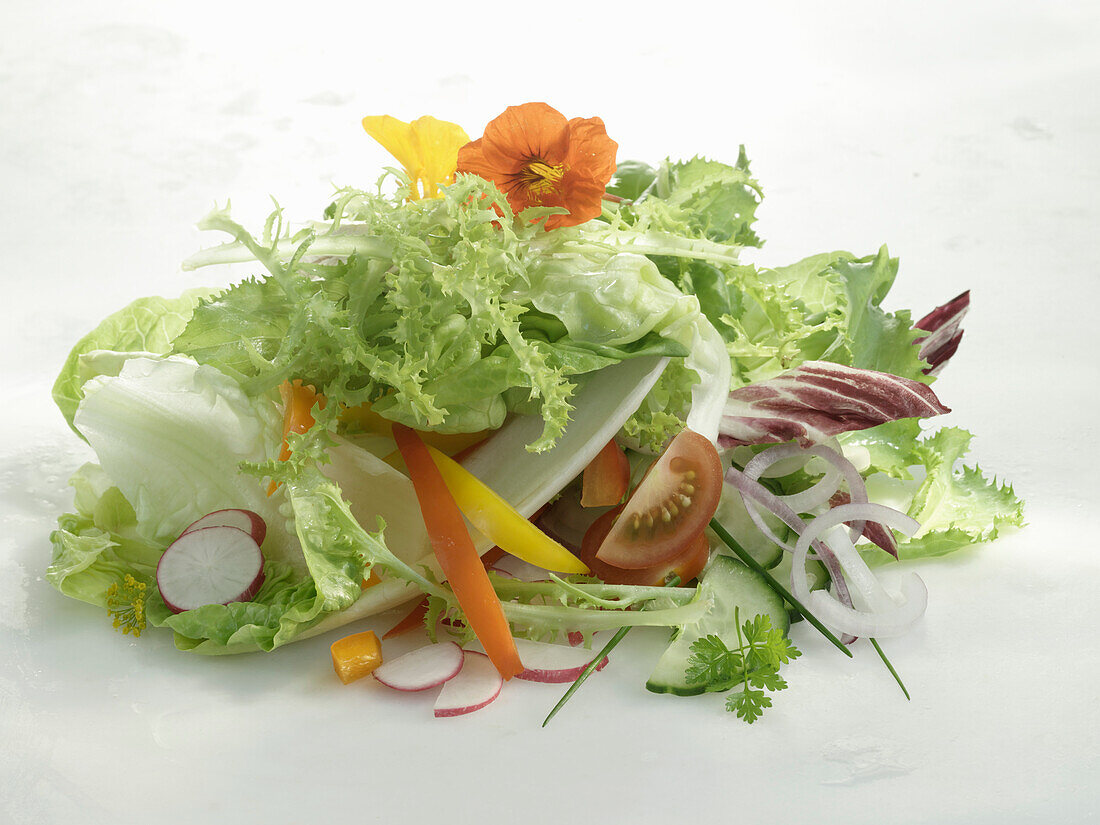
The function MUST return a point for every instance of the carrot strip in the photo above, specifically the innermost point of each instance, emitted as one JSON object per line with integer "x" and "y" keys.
{"x": 457, "y": 555}
{"x": 413, "y": 619}
{"x": 298, "y": 403}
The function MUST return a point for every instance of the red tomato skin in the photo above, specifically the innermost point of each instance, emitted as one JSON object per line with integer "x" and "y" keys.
{"x": 687, "y": 566}
{"x": 672, "y": 505}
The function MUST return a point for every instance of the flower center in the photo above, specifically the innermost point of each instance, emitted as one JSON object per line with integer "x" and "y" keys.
{"x": 539, "y": 178}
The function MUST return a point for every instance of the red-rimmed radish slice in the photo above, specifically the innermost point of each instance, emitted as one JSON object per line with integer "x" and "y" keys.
{"x": 475, "y": 686}
{"x": 555, "y": 664}
{"x": 426, "y": 667}
{"x": 251, "y": 523}
{"x": 210, "y": 565}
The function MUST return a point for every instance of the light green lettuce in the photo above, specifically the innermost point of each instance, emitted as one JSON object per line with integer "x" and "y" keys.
{"x": 146, "y": 326}
{"x": 957, "y": 506}
{"x": 175, "y": 440}
{"x": 171, "y": 434}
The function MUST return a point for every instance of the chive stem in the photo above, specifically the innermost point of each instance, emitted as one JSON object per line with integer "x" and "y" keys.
{"x": 584, "y": 674}
{"x": 742, "y": 554}
{"x": 890, "y": 667}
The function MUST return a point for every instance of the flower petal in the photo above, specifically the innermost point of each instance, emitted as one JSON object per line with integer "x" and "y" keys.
{"x": 437, "y": 144}
{"x": 396, "y": 137}
{"x": 591, "y": 150}
{"x": 538, "y": 158}
{"x": 522, "y": 133}
{"x": 582, "y": 195}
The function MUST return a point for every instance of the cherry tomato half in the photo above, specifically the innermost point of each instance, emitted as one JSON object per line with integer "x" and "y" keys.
{"x": 672, "y": 505}
{"x": 687, "y": 565}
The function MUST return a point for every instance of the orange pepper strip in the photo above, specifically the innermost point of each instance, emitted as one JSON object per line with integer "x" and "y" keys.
{"x": 457, "y": 555}
{"x": 298, "y": 402}
{"x": 606, "y": 477}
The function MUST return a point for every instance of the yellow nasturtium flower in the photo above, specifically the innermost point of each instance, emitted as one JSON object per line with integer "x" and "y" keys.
{"x": 427, "y": 148}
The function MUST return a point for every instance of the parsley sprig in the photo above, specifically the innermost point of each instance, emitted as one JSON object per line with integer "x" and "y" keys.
{"x": 750, "y": 669}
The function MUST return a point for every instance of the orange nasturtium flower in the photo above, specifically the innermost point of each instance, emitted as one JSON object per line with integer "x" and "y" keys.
{"x": 538, "y": 158}
{"x": 427, "y": 148}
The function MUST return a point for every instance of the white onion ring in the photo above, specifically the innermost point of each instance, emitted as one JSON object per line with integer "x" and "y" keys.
{"x": 896, "y": 618}
{"x": 862, "y": 582}
{"x": 807, "y": 499}
{"x": 815, "y": 496}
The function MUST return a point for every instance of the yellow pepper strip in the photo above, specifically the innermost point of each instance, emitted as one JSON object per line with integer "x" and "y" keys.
{"x": 501, "y": 522}
{"x": 353, "y": 657}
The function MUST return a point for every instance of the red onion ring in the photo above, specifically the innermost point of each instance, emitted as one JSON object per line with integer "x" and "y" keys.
{"x": 755, "y": 494}
{"x": 815, "y": 496}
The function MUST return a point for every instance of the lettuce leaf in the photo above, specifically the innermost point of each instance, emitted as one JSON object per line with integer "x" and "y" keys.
{"x": 956, "y": 506}
{"x": 176, "y": 440}
{"x": 171, "y": 434}
{"x": 619, "y": 301}
{"x": 146, "y": 326}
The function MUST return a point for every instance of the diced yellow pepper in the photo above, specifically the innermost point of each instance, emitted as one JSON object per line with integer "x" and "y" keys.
{"x": 501, "y": 522}
{"x": 353, "y": 657}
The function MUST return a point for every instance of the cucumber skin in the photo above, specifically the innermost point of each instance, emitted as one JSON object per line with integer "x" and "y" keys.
{"x": 733, "y": 585}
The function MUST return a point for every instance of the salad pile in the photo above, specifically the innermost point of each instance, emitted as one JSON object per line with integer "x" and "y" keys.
{"x": 532, "y": 395}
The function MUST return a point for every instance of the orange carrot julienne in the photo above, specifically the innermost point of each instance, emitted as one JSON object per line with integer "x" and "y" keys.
{"x": 458, "y": 558}
{"x": 412, "y": 620}
{"x": 298, "y": 403}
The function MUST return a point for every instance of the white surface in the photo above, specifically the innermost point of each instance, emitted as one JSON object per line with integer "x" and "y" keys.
{"x": 963, "y": 134}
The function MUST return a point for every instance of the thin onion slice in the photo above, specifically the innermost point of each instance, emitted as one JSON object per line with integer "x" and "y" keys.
{"x": 756, "y": 493}
{"x": 892, "y": 620}
{"x": 819, "y": 493}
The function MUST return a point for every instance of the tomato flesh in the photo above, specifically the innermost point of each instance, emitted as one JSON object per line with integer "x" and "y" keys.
{"x": 687, "y": 565}
{"x": 672, "y": 505}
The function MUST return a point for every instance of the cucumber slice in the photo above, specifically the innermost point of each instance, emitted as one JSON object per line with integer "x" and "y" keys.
{"x": 733, "y": 516}
{"x": 729, "y": 584}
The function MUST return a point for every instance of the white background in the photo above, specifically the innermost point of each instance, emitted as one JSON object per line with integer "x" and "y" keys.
{"x": 963, "y": 134}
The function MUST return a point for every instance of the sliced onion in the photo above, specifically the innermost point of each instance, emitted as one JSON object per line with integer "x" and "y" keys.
{"x": 806, "y": 500}
{"x": 867, "y": 591}
{"x": 892, "y": 619}
{"x": 819, "y": 493}
{"x": 756, "y": 493}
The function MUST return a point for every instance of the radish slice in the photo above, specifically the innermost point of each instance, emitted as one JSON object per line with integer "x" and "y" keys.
{"x": 210, "y": 565}
{"x": 555, "y": 664}
{"x": 251, "y": 523}
{"x": 475, "y": 686}
{"x": 423, "y": 668}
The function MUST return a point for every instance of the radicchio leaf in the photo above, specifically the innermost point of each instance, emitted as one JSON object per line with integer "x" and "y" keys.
{"x": 943, "y": 325}
{"x": 818, "y": 400}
